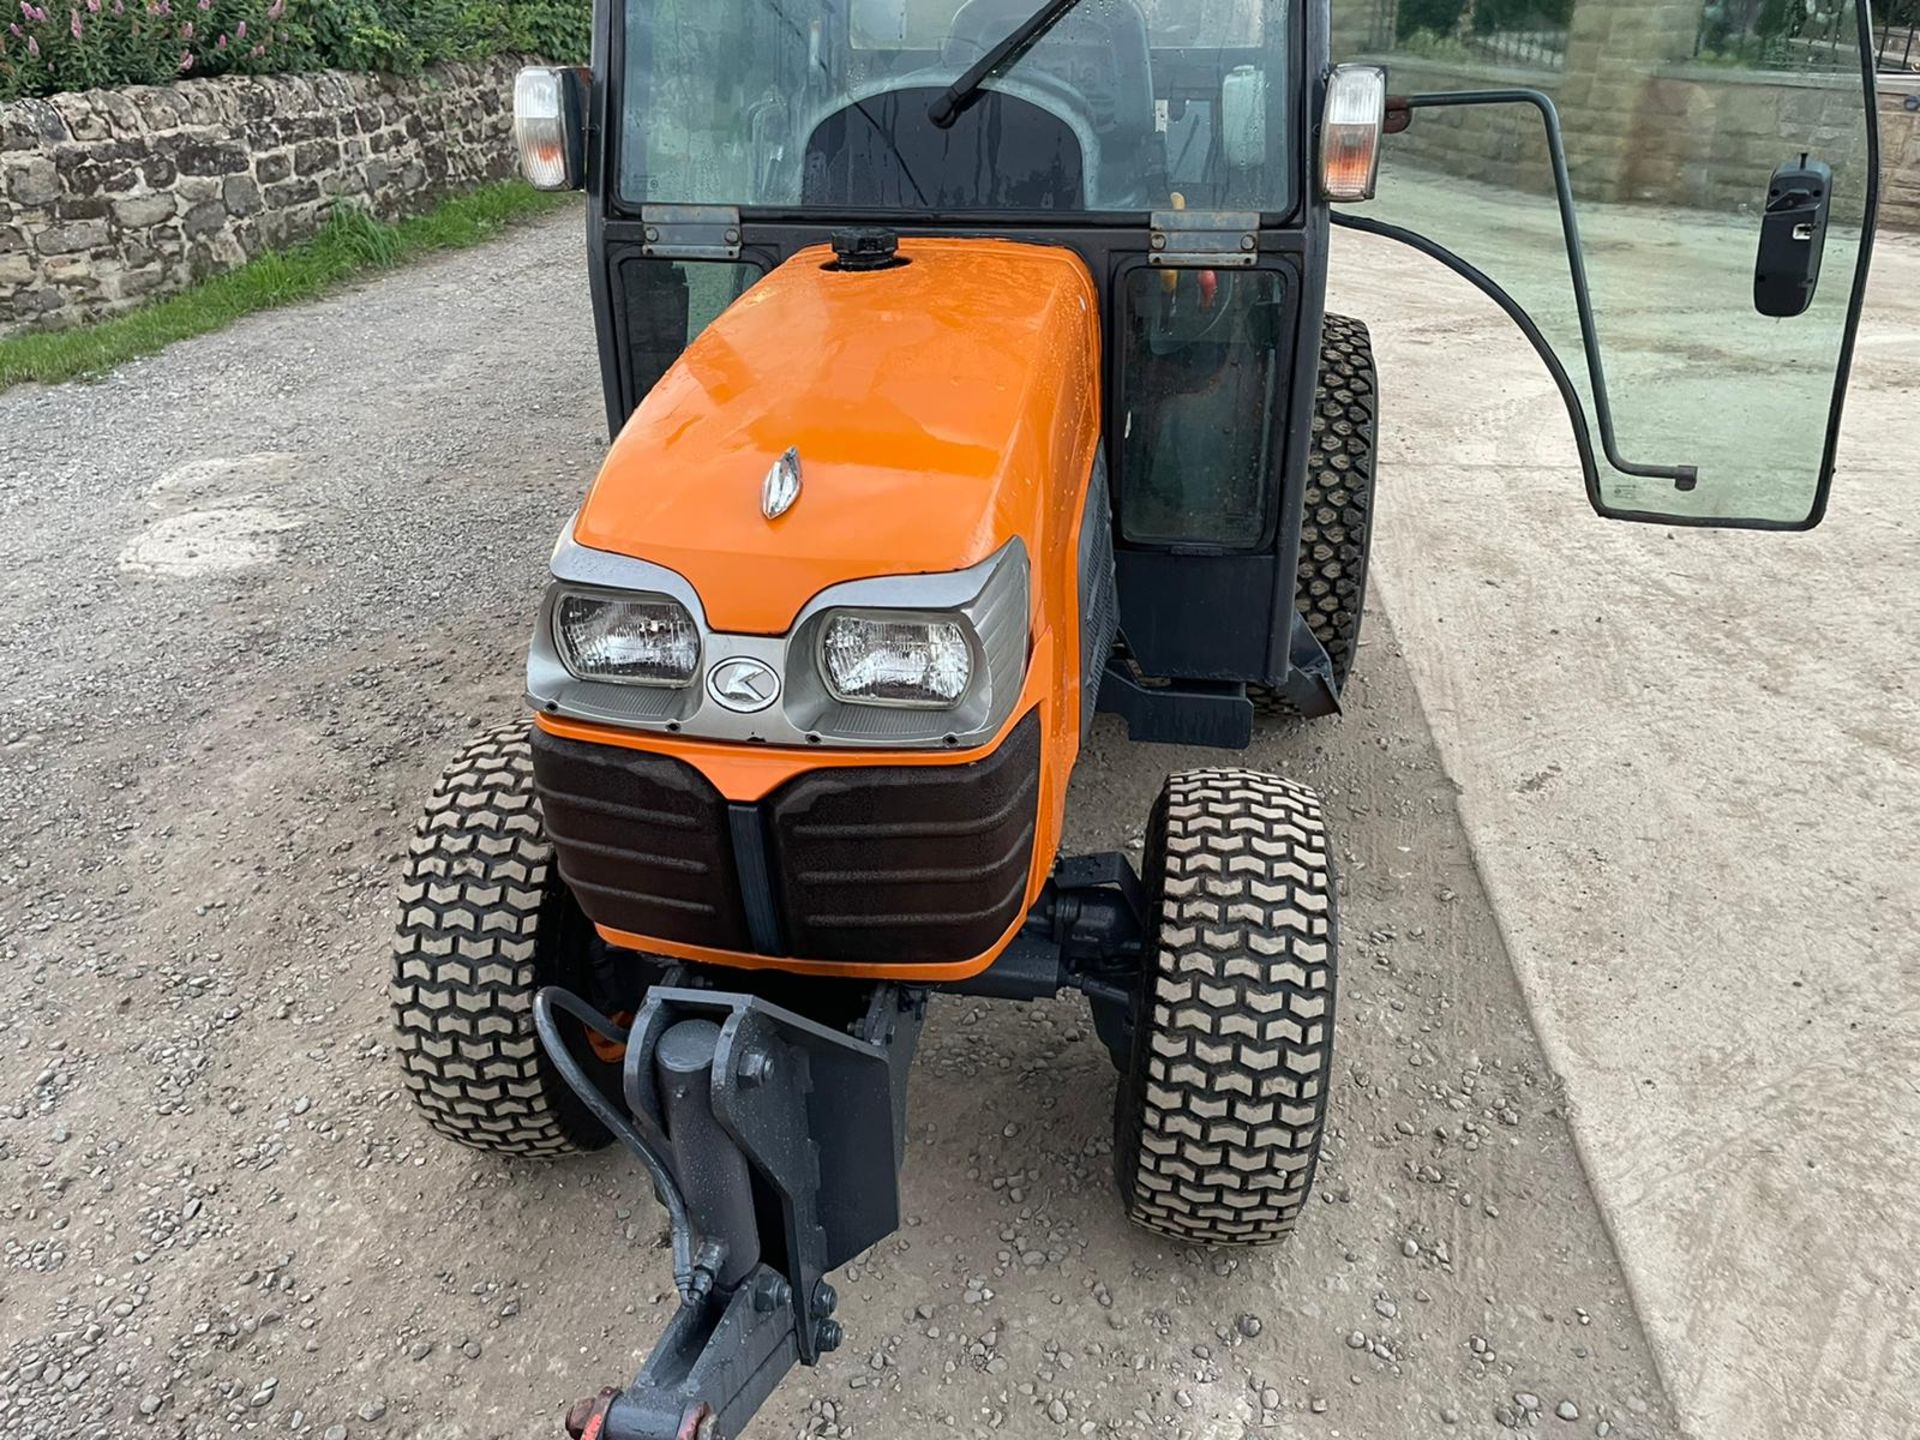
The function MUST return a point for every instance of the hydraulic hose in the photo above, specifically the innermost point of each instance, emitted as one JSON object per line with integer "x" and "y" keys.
{"x": 545, "y": 1001}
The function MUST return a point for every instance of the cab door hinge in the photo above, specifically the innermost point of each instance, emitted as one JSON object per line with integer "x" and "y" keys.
{"x": 1205, "y": 238}
{"x": 691, "y": 232}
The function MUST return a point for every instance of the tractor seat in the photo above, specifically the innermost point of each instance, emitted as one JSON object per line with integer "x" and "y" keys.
{"x": 1103, "y": 56}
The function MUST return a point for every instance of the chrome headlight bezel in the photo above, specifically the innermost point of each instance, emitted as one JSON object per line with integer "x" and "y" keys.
{"x": 989, "y": 601}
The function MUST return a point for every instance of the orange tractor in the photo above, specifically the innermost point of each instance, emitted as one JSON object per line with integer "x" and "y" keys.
{"x": 969, "y": 375}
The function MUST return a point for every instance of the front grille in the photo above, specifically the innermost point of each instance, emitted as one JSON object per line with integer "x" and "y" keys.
{"x": 866, "y": 864}
{"x": 891, "y": 864}
{"x": 642, "y": 841}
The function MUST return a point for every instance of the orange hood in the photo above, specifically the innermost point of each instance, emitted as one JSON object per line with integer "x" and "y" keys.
{"x": 939, "y": 407}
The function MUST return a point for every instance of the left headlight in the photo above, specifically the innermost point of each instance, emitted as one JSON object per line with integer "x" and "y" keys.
{"x": 630, "y": 640}
{"x": 882, "y": 659}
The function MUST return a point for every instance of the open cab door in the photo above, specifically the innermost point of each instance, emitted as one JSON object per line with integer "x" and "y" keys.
{"x": 1676, "y": 203}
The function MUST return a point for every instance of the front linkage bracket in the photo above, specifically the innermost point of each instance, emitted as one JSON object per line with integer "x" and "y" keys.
{"x": 774, "y": 1143}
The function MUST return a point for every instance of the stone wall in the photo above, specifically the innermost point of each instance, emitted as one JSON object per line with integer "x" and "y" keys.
{"x": 108, "y": 197}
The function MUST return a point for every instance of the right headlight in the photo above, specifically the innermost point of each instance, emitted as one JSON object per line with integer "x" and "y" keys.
{"x": 626, "y": 640}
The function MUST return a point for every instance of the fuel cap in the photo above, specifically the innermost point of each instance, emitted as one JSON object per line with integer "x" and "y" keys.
{"x": 866, "y": 247}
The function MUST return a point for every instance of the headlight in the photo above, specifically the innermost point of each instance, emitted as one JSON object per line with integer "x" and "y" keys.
{"x": 879, "y": 659}
{"x": 641, "y": 640}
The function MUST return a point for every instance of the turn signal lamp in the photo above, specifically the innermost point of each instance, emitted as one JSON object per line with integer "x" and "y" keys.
{"x": 1350, "y": 127}
{"x": 546, "y": 127}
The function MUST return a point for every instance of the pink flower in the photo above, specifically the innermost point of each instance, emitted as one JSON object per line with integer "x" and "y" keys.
{"x": 18, "y": 33}
{"x": 93, "y": 7}
{"x": 74, "y": 23}
{"x": 240, "y": 31}
{"x": 221, "y": 43}
{"x": 277, "y": 9}
{"x": 206, "y": 4}
{"x": 257, "y": 52}
{"x": 186, "y": 61}
{"x": 186, "y": 31}
{"x": 33, "y": 47}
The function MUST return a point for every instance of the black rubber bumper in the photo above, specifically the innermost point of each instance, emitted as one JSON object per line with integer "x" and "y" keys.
{"x": 865, "y": 864}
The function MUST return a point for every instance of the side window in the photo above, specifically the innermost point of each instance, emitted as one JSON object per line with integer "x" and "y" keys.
{"x": 665, "y": 304}
{"x": 1198, "y": 375}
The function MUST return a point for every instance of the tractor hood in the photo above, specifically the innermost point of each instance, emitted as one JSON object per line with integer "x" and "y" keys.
{"x": 939, "y": 407}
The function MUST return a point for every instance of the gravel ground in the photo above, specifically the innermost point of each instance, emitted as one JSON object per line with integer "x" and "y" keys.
{"x": 256, "y": 591}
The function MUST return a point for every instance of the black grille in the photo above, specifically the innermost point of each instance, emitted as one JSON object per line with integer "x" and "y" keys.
{"x": 642, "y": 841}
{"x": 867, "y": 864}
{"x": 907, "y": 863}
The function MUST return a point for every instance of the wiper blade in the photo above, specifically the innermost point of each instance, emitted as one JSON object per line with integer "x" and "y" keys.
{"x": 957, "y": 97}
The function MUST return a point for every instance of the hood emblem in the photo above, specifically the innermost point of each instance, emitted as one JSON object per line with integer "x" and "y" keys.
{"x": 743, "y": 684}
{"x": 782, "y": 485}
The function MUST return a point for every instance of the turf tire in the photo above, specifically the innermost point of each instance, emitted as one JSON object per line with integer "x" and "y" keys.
{"x": 1336, "y": 526}
{"x": 484, "y": 922}
{"x": 1218, "y": 1116}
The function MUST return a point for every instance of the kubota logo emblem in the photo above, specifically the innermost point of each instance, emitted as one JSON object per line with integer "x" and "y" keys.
{"x": 782, "y": 485}
{"x": 743, "y": 684}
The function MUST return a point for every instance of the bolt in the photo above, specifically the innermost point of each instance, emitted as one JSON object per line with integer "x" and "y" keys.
{"x": 1159, "y": 242}
{"x": 653, "y": 233}
{"x": 771, "y": 1293}
{"x": 733, "y": 237}
{"x": 756, "y": 1068}
{"x": 1246, "y": 242}
{"x": 829, "y": 1335}
{"x": 824, "y": 1298}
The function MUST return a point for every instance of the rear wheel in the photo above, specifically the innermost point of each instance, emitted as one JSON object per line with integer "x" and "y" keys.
{"x": 1336, "y": 528}
{"x": 485, "y": 921}
{"x": 1219, "y": 1114}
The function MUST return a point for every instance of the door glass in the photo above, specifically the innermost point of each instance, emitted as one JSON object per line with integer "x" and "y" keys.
{"x": 1197, "y": 384}
{"x": 1684, "y": 126}
{"x": 665, "y": 304}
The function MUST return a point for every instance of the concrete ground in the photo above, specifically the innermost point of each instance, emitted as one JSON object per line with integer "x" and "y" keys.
{"x": 1688, "y": 766}
{"x": 255, "y": 590}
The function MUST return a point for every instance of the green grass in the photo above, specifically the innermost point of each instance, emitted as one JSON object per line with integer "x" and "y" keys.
{"x": 351, "y": 244}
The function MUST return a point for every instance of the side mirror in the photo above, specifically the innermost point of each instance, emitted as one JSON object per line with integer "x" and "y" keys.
{"x": 1793, "y": 233}
{"x": 549, "y": 106}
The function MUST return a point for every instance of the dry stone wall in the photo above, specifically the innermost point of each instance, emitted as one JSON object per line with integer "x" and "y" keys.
{"x": 108, "y": 197}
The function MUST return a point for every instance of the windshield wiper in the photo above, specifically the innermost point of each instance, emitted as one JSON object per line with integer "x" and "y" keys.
{"x": 951, "y": 102}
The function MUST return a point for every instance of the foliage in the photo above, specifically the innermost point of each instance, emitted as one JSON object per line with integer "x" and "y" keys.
{"x": 1443, "y": 18}
{"x": 352, "y": 243}
{"x": 54, "y": 45}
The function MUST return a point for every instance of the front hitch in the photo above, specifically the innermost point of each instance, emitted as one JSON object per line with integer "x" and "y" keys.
{"x": 774, "y": 1144}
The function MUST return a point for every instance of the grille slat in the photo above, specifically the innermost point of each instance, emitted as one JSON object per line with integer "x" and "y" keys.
{"x": 641, "y": 840}
{"x": 878, "y": 865}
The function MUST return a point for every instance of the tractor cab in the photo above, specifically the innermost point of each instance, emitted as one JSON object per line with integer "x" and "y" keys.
{"x": 1686, "y": 253}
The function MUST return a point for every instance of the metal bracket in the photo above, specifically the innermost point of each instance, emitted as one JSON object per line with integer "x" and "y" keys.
{"x": 691, "y": 232}
{"x": 1205, "y": 239}
{"x": 1309, "y": 679}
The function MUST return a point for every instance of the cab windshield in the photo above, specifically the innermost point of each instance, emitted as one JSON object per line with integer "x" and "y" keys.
{"x": 1123, "y": 106}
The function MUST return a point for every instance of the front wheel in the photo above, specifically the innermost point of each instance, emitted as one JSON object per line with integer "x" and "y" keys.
{"x": 486, "y": 921}
{"x": 1219, "y": 1113}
